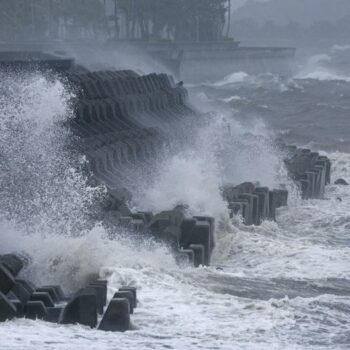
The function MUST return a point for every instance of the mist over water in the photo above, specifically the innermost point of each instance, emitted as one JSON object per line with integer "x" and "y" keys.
{"x": 41, "y": 186}
{"x": 46, "y": 211}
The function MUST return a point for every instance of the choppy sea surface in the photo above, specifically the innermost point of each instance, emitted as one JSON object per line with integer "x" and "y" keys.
{"x": 282, "y": 285}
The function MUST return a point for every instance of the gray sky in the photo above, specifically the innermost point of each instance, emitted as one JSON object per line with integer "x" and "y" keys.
{"x": 304, "y": 12}
{"x": 238, "y": 3}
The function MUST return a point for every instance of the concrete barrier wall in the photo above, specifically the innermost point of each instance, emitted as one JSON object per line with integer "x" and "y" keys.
{"x": 22, "y": 299}
{"x": 122, "y": 121}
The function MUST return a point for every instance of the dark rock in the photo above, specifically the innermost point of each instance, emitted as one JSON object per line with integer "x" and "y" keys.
{"x": 341, "y": 182}
{"x": 7, "y": 308}
{"x": 117, "y": 316}
{"x": 35, "y": 310}
{"x": 81, "y": 309}
{"x": 7, "y": 281}
{"x": 43, "y": 297}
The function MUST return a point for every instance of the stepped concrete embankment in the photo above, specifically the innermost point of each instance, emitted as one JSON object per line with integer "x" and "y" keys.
{"x": 124, "y": 121}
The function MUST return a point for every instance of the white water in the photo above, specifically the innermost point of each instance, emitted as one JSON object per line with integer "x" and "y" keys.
{"x": 180, "y": 307}
{"x": 320, "y": 67}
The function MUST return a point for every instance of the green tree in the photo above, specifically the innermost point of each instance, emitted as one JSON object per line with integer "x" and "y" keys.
{"x": 38, "y": 19}
{"x": 184, "y": 20}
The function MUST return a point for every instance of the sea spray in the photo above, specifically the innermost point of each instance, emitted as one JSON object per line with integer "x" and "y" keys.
{"x": 41, "y": 185}
{"x": 322, "y": 67}
{"x": 44, "y": 196}
{"x": 220, "y": 151}
{"x": 69, "y": 260}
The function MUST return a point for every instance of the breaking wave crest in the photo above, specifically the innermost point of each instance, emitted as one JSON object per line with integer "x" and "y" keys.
{"x": 45, "y": 200}
{"x": 323, "y": 67}
{"x": 41, "y": 187}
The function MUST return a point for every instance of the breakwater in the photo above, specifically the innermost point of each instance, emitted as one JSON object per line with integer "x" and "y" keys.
{"x": 124, "y": 121}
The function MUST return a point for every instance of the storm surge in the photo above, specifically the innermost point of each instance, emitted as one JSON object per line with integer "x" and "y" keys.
{"x": 50, "y": 212}
{"x": 41, "y": 186}
{"x": 282, "y": 284}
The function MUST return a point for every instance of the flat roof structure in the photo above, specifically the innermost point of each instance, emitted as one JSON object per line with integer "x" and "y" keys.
{"x": 35, "y": 59}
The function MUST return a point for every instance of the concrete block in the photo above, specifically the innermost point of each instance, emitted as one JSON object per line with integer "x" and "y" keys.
{"x": 54, "y": 314}
{"x": 51, "y": 291}
{"x": 117, "y": 316}
{"x": 35, "y": 310}
{"x": 199, "y": 254}
{"x": 19, "y": 308}
{"x": 127, "y": 294}
{"x": 101, "y": 294}
{"x": 249, "y": 215}
{"x": 7, "y": 281}
{"x": 133, "y": 290}
{"x": 43, "y": 297}
{"x": 7, "y": 308}
{"x": 21, "y": 292}
{"x": 58, "y": 291}
{"x": 185, "y": 256}
{"x": 12, "y": 262}
{"x": 81, "y": 309}
{"x": 197, "y": 232}
{"x": 29, "y": 286}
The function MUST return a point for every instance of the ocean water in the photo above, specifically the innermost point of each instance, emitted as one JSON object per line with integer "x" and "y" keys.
{"x": 282, "y": 285}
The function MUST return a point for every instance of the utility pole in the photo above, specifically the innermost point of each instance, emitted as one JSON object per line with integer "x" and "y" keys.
{"x": 197, "y": 21}
{"x": 228, "y": 19}
{"x": 50, "y": 19}
{"x": 116, "y": 28}
{"x": 32, "y": 18}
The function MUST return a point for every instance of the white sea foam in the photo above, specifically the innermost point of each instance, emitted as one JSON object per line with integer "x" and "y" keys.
{"x": 336, "y": 48}
{"x": 319, "y": 67}
{"x": 232, "y": 98}
{"x": 40, "y": 187}
{"x": 234, "y": 78}
{"x": 180, "y": 307}
{"x": 319, "y": 59}
{"x": 323, "y": 75}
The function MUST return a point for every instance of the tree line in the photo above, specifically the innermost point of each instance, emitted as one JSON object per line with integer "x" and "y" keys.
{"x": 183, "y": 20}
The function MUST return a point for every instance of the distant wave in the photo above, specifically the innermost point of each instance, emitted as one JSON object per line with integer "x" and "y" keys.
{"x": 234, "y": 78}
{"x": 232, "y": 98}
{"x": 341, "y": 48}
{"x": 322, "y": 67}
{"x": 323, "y": 75}
{"x": 319, "y": 59}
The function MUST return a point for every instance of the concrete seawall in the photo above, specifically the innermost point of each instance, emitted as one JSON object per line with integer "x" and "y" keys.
{"x": 123, "y": 121}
